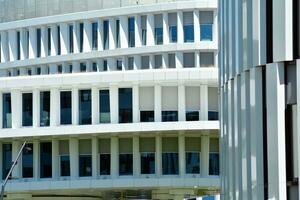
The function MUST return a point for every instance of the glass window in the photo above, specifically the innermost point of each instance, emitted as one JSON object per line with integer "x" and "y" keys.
{"x": 147, "y": 163}
{"x": 125, "y": 164}
{"x": 144, "y": 29}
{"x": 131, "y": 36}
{"x": 214, "y": 163}
{"x": 171, "y": 60}
{"x": 64, "y": 165}
{"x": 207, "y": 59}
{"x": 119, "y": 64}
{"x": 147, "y": 116}
{"x": 27, "y": 161}
{"x": 169, "y": 116}
{"x": 189, "y": 60}
{"x": 158, "y": 61}
{"x": 18, "y": 45}
{"x": 158, "y": 24}
{"x": 58, "y": 41}
{"x": 85, "y": 165}
{"x": 188, "y": 26}
{"x": 85, "y": 107}
{"x": 6, "y": 110}
{"x": 27, "y": 109}
{"x": 80, "y": 37}
{"x": 213, "y": 115}
{"x": 206, "y": 32}
{"x": 38, "y": 42}
{"x": 192, "y": 115}
{"x": 118, "y": 33}
{"x": 65, "y": 107}
{"x": 6, "y": 159}
{"x": 125, "y": 105}
{"x": 49, "y": 40}
{"x": 170, "y": 163}
{"x": 104, "y": 164}
{"x": 172, "y": 22}
{"x": 192, "y": 162}
{"x": 45, "y": 159}
{"x": 130, "y": 63}
{"x": 95, "y": 67}
{"x": 104, "y": 65}
{"x": 94, "y": 35}
{"x": 105, "y": 34}
{"x": 71, "y": 43}
{"x": 104, "y": 106}
{"x": 82, "y": 67}
{"x": 45, "y": 108}
{"x": 59, "y": 69}
{"x": 145, "y": 62}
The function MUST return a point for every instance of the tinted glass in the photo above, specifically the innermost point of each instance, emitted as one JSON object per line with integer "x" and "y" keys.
{"x": 45, "y": 108}
{"x": 158, "y": 36}
{"x": 125, "y": 164}
{"x": 118, "y": 33}
{"x": 169, "y": 116}
{"x": 66, "y": 107}
{"x": 147, "y": 116}
{"x": 125, "y": 105}
{"x": 104, "y": 106}
{"x": 214, "y": 167}
{"x": 85, "y": 165}
{"x": 6, "y": 110}
{"x": 27, "y": 109}
{"x": 45, "y": 160}
{"x": 58, "y": 41}
{"x": 18, "y": 45}
{"x": 192, "y": 115}
{"x": 65, "y": 165}
{"x": 188, "y": 33}
{"x": 131, "y": 36}
{"x": 213, "y": 115}
{"x": 104, "y": 164}
{"x": 94, "y": 35}
{"x": 173, "y": 34}
{"x": 49, "y": 41}
{"x": 147, "y": 163}
{"x": 27, "y": 161}
{"x": 71, "y": 38}
{"x": 80, "y": 37}
{"x": 192, "y": 162}
{"x": 7, "y": 159}
{"x": 170, "y": 163}
{"x": 85, "y": 107}
{"x": 206, "y": 32}
{"x": 38, "y": 42}
{"x": 105, "y": 34}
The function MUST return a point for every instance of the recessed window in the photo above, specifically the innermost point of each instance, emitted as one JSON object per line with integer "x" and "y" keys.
{"x": 188, "y": 26}
{"x": 125, "y": 105}
{"x": 144, "y": 29}
{"x": 188, "y": 60}
{"x": 85, "y": 107}
{"x": 213, "y": 112}
{"x": 206, "y": 25}
{"x": 104, "y": 155}
{"x": 6, "y": 110}
{"x": 214, "y": 163}
{"x": 172, "y": 22}
{"x": 131, "y": 30}
{"x": 82, "y": 67}
{"x": 119, "y": 64}
{"x": 147, "y": 153}
{"x": 49, "y": 40}
{"x": 94, "y": 35}
{"x": 130, "y": 63}
{"x": 45, "y": 159}
{"x": 45, "y": 108}
{"x": 27, "y": 161}
{"x": 171, "y": 60}
{"x": 145, "y": 62}
{"x": 64, "y": 158}
{"x": 38, "y": 42}
{"x": 27, "y": 109}
{"x": 125, "y": 156}
{"x": 104, "y": 106}
{"x": 94, "y": 67}
{"x": 146, "y": 103}
{"x": 170, "y": 155}
{"x": 169, "y": 103}
{"x": 18, "y": 46}
{"x": 158, "y": 30}
{"x": 118, "y": 33}
{"x": 207, "y": 59}
{"x": 6, "y": 159}
{"x": 85, "y": 158}
{"x": 192, "y": 155}
{"x": 58, "y": 41}
{"x": 80, "y": 37}
{"x": 71, "y": 40}
{"x": 65, "y": 107}
{"x": 105, "y": 34}
{"x": 158, "y": 61}
{"x": 192, "y": 102}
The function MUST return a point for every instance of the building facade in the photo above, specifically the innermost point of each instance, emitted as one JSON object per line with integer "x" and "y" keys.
{"x": 259, "y": 91}
{"x": 116, "y": 99}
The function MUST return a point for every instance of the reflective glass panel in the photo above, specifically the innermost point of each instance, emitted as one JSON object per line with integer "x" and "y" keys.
{"x": 45, "y": 108}
{"x": 94, "y": 35}
{"x": 147, "y": 116}
{"x": 105, "y": 34}
{"x": 6, "y": 159}
{"x": 131, "y": 36}
{"x": 188, "y": 33}
{"x": 214, "y": 166}
{"x": 169, "y": 116}
{"x": 173, "y": 34}
{"x": 206, "y": 32}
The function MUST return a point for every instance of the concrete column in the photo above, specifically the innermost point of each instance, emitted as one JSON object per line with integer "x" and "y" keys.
{"x": 32, "y": 53}
{"x": 75, "y": 106}
{"x": 111, "y": 33}
{"x": 197, "y": 59}
{"x": 95, "y": 157}
{"x": 74, "y": 158}
{"x": 95, "y": 105}
{"x": 179, "y": 59}
{"x": 44, "y": 41}
{"x": 158, "y": 155}
{"x": 4, "y": 47}
{"x": 181, "y": 102}
{"x": 23, "y": 45}
{"x": 114, "y": 151}
{"x": 36, "y": 159}
{"x": 76, "y": 38}
{"x": 54, "y": 40}
{"x": 180, "y": 27}
{"x": 204, "y": 102}
{"x": 150, "y": 29}
{"x": 16, "y": 146}
{"x": 135, "y": 103}
{"x": 36, "y": 108}
{"x": 165, "y": 60}
{"x": 157, "y": 103}
{"x": 114, "y": 104}
{"x": 138, "y": 31}
{"x": 166, "y": 38}
{"x": 136, "y": 156}
{"x": 100, "y": 35}
{"x": 196, "y": 26}
{"x": 16, "y": 108}
{"x": 111, "y": 64}
{"x": 55, "y": 159}
{"x": 64, "y": 39}
{"x": 124, "y": 32}
{"x": 181, "y": 153}
{"x": 87, "y": 36}
{"x": 204, "y": 156}
{"x": 54, "y": 107}
{"x": 12, "y": 45}
{"x": 276, "y": 131}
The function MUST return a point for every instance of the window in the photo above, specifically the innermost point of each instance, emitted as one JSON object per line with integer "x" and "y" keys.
{"x": 147, "y": 152}
{"x": 207, "y": 59}
{"x": 131, "y": 36}
{"x": 169, "y": 116}
{"x": 18, "y": 45}
{"x": 95, "y": 67}
{"x": 158, "y": 24}
{"x": 192, "y": 155}
{"x": 6, "y": 159}
{"x": 147, "y": 116}
{"x": 206, "y": 25}
{"x": 59, "y": 69}
{"x": 158, "y": 61}
{"x": 125, "y": 105}
{"x": 188, "y": 60}
{"x": 85, "y": 158}
{"x": 145, "y": 62}
{"x": 104, "y": 106}
{"x": 27, "y": 161}
{"x": 171, "y": 60}
{"x": 49, "y": 41}
{"x": 27, "y": 109}
{"x": 125, "y": 156}
{"x": 65, "y": 107}
{"x": 80, "y": 37}
{"x": 214, "y": 165}
{"x": 38, "y": 42}
{"x": 118, "y": 33}
{"x": 71, "y": 43}
{"x": 105, "y": 34}
{"x": 6, "y": 110}
{"x": 58, "y": 41}
{"x": 144, "y": 29}
{"x": 94, "y": 35}
{"x": 188, "y": 26}
{"x": 119, "y": 64}
{"x": 45, "y": 159}
{"x": 64, "y": 158}
{"x": 169, "y": 103}
{"x": 104, "y": 149}
{"x": 45, "y": 108}
{"x": 82, "y": 67}
{"x": 172, "y": 22}
{"x": 130, "y": 63}
{"x": 104, "y": 65}
{"x": 169, "y": 156}
{"x": 213, "y": 103}
{"x": 146, "y": 104}
{"x": 85, "y": 107}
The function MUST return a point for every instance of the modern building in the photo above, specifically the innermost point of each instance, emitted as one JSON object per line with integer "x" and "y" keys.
{"x": 116, "y": 99}
{"x": 259, "y": 87}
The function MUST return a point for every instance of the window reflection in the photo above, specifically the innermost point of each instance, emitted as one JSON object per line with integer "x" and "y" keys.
{"x": 6, "y": 159}
{"x": 131, "y": 36}
{"x": 64, "y": 165}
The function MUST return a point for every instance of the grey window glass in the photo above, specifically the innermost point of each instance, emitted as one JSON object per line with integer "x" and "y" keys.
{"x": 65, "y": 107}
{"x": 214, "y": 167}
{"x": 207, "y": 59}
{"x": 158, "y": 23}
{"x": 45, "y": 159}
{"x": 81, "y": 37}
{"x": 147, "y": 163}
{"x": 104, "y": 106}
{"x": 125, "y": 105}
{"x": 169, "y": 116}
{"x": 188, "y": 60}
{"x": 71, "y": 42}
{"x": 27, "y": 42}
{"x": 105, "y": 34}
{"x": 147, "y": 116}
{"x": 82, "y": 67}
{"x": 49, "y": 40}
{"x": 58, "y": 41}
{"x": 95, "y": 67}
{"x": 171, "y": 60}
{"x": 85, "y": 165}
{"x": 27, "y": 109}
{"x": 158, "y": 61}
{"x": 144, "y": 29}
{"x": 104, "y": 164}
{"x": 45, "y": 108}
{"x": 38, "y": 42}
{"x": 172, "y": 22}
{"x": 119, "y": 64}
{"x": 192, "y": 162}
{"x": 130, "y": 63}
{"x": 170, "y": 163}
{"x": 94, "y": 35}
{"x": 6, "y": 159}
{"x": 6, "y": 110}
{"x": 125, "y": 164}
{"x": 27, "y": 161}
{"x": 85, "y": 107}
{"x": 131, "y": 36}
{"x": 18, "y": 45}
{"x": 104, "y": 65}
{"x": 192, "y": 115}
{"x": 145, "y": 62}
{"x": 59, "y": 69}
{"x": 118, "y": 33}
{"x": 188, "y": 26}
{"x": 64, "y": 165}
{"x": 206, "y": 25}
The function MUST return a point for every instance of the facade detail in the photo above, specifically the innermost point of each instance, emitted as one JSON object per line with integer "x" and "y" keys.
{"x": 115, "y": 102}
{"x": 259, "y": 95}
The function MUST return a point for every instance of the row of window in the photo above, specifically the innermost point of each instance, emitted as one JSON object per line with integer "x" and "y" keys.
{"x": 169, "y": 156}
{"x": 125, "y": 106}
{"x": 49, "y": 41}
